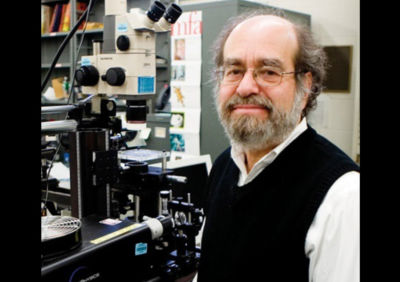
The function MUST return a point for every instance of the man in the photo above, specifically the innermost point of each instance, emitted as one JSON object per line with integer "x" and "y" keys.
{"x": 282, "y": 202}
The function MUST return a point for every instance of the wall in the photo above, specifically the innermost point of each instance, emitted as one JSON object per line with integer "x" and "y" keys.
{"x": 333, "y": 22}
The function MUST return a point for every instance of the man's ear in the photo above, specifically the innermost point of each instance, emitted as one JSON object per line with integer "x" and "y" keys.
{"x": 307, "y": 83}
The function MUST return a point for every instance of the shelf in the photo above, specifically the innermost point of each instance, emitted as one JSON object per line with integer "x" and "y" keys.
{"x": 51, "y": 2}
{"x": 162, "y": 66}
{"x": 57, "y": 66}
{"x": 79, "y": 32}
{"x": 68, "y": 65}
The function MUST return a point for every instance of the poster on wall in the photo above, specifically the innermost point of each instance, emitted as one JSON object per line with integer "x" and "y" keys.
{"x": 185, "y": 83}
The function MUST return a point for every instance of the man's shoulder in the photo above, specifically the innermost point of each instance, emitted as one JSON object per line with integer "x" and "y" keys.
{"x": 222, "y": 162}
{"x": 226, "y": 153}
{"x": 322, "y": 143}
{"x": 224, "y": 157}
{"x": 325, "y": 150}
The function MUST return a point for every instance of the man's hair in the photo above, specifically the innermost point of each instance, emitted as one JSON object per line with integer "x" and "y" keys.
{"x": 310, "y": 57}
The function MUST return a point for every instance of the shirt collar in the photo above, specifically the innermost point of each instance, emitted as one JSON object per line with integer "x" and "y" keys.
{"x": 300, "y": 128}
{"x": 237, "y": 155}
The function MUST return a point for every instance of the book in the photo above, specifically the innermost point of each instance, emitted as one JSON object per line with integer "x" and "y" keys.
{"x": 53, "y": 17}
{"x": 67, "y": 19}
{"x": 47, "y": 12}
{"x": 63, "y": 11}
{"x": 56, "y": 17}
{"x": 80, "y": 8}
{"x": 59, "y": 17}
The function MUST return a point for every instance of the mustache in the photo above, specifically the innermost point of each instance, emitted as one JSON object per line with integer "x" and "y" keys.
{"x": 252, "y": 99}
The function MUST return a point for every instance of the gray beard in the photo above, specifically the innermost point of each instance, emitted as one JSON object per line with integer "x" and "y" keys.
{"x": 252, "y": 133}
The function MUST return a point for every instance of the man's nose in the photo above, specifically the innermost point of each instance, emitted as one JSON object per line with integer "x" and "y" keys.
{"x": 248, "y": 85}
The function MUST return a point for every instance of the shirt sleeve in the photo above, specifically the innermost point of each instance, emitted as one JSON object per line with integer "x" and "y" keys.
{"x": 333, "y": 241}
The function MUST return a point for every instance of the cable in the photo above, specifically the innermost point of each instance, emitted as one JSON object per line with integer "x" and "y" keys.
{"x": 47, "y": 176}
{"x": 91, "y": 3}
{"x": 71, "y": 93}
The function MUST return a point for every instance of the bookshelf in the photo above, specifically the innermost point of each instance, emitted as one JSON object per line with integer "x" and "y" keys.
{"x": 51, "y": 41}
{"x": 52, "y": 38}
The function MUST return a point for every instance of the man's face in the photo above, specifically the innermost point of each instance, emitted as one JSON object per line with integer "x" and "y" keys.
{"x": 257, "y": 116}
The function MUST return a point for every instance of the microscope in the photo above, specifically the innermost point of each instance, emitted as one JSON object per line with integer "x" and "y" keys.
{"x": 159, "y": 226}
{"x": 122, "y": 66}
{"x": 126, "y": 66}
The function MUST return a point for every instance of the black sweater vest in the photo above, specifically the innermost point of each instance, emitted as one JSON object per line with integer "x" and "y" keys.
{"x": 257, "y": 232}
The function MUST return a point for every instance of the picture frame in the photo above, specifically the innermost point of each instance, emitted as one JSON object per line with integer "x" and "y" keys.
{"x": 338, "y": 77}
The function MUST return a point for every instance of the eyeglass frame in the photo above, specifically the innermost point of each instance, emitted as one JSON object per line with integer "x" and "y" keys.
{"x": 281, "y": 74}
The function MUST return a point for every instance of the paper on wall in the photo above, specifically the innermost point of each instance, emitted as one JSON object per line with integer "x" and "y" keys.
{"x": 186, "y": 73}
{"x": 185, "y": 96}
{"x": 185, "y": 120}
{"x": 185, "y": 142}
{"x": 185, "y": 84}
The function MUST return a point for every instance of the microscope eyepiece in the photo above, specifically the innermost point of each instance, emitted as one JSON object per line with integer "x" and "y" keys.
{"x": 173, "y": 13}
{"x": 155, "y": 11}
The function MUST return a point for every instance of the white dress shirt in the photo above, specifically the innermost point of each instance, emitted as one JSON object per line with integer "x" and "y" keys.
{"x": 332, "y": 242}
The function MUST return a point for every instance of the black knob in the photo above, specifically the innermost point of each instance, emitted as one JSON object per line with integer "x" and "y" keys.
{"x": 87, "y": 76}
{"x": 123, "y": 42}
{"x": 115, "y": 76}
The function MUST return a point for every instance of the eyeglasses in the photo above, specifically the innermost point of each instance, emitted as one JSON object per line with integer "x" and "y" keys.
{"x": 264, "y": 76}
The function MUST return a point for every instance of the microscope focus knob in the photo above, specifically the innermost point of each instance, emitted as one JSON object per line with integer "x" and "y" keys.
{"x": 87, "y": 76}
{"x": 115, "y": 76}
{"x": 123, "y": 42}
